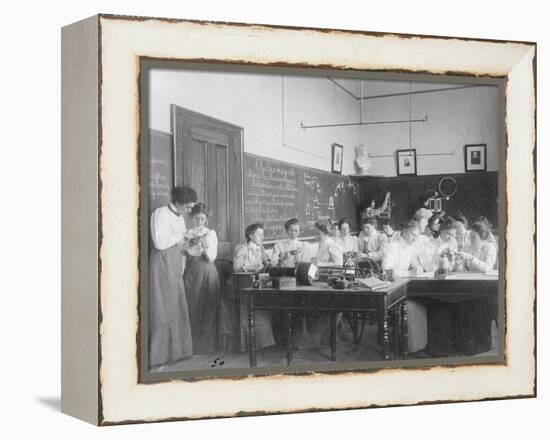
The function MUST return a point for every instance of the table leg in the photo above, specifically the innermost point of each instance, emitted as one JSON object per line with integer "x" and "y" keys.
{"x": 288, "y": 336}
{"x": 237, "y": 319}
{"x": 385, "y": 336}
{"x": 332, "y": 336}
{"x": 355, "y": 327}
{"x": 396, "y": 327}
{"x": 404, "y": 330}
{"x": 251, "y": 333}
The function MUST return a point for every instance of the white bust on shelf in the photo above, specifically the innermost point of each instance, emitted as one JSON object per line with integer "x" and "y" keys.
{"x": 362, "y": 161}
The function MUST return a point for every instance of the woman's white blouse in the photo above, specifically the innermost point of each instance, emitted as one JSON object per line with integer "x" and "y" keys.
{"x": 287, "y": 252}
{"x": 373, "y": 244}
{"x": 348, "y": 243}
{"x": 167, "y": 227}
{"x": 330, "y": 252}
{"x": 399, "y": 256}
{"x": 208, "y": 243}
{"x": 425, "y": 252}
{"x": 463, "y": 241}
{"x": 249, "y": 256}
{"x": 485, "y": 257}
{"x": 441, "y": 246}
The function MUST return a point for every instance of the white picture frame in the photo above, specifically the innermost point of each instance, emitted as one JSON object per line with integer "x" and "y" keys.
{"x": 101, "y": 270}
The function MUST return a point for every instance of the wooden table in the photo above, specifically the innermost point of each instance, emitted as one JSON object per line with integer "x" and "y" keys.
{"x": 322, "y": 298}
{"x": 459, "y": 285}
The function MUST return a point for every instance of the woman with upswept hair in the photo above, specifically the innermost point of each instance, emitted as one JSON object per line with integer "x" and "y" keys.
{"x": 202, "y": 284}
{"x": 169, "y": 326}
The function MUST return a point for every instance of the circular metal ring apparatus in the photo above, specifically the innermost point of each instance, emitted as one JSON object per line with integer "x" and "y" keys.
{"x": 448, "y": 194}
{"x": 365, "y": 267}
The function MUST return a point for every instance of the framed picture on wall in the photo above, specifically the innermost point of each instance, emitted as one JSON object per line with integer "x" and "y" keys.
{"x": 337, "y": 158}
{"x": 475, "y": 157}
{"x": 406, "y": 162}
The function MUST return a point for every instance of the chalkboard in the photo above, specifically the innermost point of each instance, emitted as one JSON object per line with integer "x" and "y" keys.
{"x": 476, "y": 194}
{"x": 275, "y": 191}
{"x": 160, "y": 169}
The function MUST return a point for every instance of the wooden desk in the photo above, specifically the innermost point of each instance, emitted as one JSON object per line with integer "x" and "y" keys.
{"x": 322, "y": 298}
{"x": 460, "y": 286}
{"x": 460, "y": 311}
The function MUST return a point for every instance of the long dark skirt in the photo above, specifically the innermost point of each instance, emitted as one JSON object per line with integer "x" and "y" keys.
{"x": 169, "y": 327}
{"x": 202, "y": 287}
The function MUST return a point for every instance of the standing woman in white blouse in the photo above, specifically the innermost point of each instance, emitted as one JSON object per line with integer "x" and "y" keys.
{"x": 169, "y": 326}
{"x": 202, "y": 284}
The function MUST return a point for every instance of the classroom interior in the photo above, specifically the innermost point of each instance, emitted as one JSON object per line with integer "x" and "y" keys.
{"x": 259, "y": 147}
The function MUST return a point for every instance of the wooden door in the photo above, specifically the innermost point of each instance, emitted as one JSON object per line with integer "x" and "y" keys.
{"x": 208, "y": 158}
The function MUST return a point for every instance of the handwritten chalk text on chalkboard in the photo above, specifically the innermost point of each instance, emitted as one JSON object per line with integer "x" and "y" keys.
{"x": 275, "y": 191}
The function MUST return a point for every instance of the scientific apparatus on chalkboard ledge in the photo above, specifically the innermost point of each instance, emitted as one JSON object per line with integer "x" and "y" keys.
{"x": 383, "y": 211}
{"x": 447, "y": 189}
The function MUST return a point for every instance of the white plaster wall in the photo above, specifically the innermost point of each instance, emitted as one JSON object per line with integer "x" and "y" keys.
{"x": 271, "y": 108}
{"x": 255, "y": 102}
{"x": 455, "y": 118}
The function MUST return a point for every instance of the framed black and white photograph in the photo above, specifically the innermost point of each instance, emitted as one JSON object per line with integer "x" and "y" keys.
{"x": 232, "y": 265}
{"x": 406, "y": 162}
{"x": 337, "y": 158}
{"x": 475, "y": 157}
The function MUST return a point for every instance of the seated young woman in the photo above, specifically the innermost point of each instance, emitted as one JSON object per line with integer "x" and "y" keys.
{"x": 329, "y": 252}
{"x": 434, "y": 225}
{"x": 388, "y": 227}
{"x": 250, "y": 257}
{"x": 462, "y": 232}
{"x": 401, "y": 257}
{"x": 446, "y": 242}
{"x": 481, "y": 254}
{"x": 371, "y": 242}
{"x": 347, "y": 242}
{"x": 316, "y": 326}
{"x": 424, "y": 244}
{"x": 289, "y": 252}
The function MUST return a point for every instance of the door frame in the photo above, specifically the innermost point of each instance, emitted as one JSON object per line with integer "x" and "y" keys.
{"x": 192, "y": 121}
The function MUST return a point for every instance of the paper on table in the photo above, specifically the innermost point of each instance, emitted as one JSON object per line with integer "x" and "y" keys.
{"x": 373, "y": 283}
{"x": 413, "y": 274}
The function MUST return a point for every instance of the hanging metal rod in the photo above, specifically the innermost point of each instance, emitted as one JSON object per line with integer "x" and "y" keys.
{"x": 306, "y": 152}
{"x": 283, "y": 125}
{"x": 349, "y": 124}
{"x": 421, "y": 154}
{"x": 416, "y": 92}
{"x": 337, "y": 84}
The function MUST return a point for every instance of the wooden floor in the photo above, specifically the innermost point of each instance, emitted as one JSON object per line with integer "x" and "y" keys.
{"x": 275, "y": 356}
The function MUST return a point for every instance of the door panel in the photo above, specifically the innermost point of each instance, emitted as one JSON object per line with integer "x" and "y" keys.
{"x": 198, "y": 173}
{"x": 222, "y": 193}
{"x": 208, "y": 157}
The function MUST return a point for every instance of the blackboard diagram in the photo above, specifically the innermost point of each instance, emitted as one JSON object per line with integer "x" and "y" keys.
{"x": 275, "y": 191}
